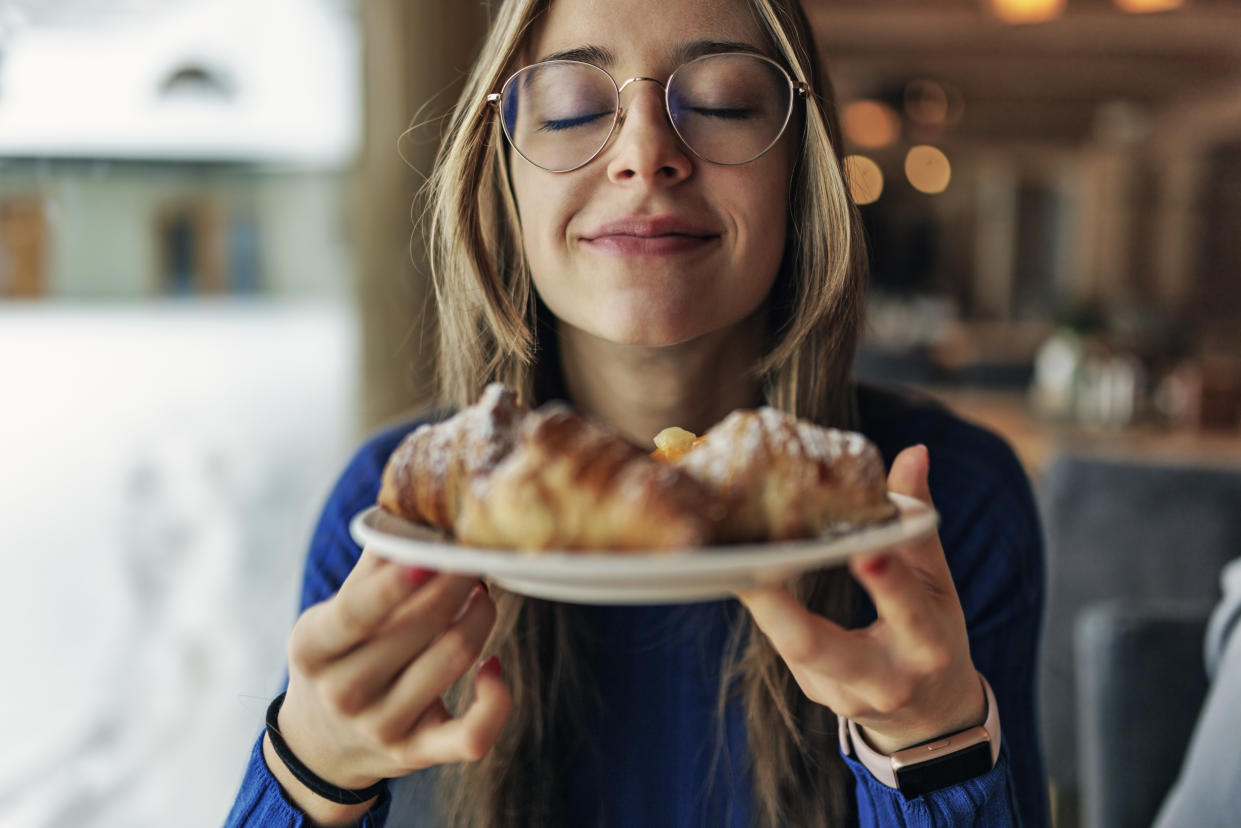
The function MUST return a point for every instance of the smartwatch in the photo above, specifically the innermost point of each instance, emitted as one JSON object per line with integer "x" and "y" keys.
{"x": 934, "y": 764}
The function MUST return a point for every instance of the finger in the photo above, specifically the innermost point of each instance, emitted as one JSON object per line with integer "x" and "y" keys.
{"x": 909, "y": 473}
{"x": 809, "y": 640}
{"x": 369, "y": 595}
{"x": 437, "y": 668}
{"x": 438, "y": 603}
{"x": 368, "y": 561}
{"x": 438, "y": 740}
{"x": 904, "y": 597}
{"x": 354, "y": 681}
{"x": 909, "y": 476}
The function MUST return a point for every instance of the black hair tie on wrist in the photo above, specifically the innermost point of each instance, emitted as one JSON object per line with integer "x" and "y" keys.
{"x": 334, "y": 793}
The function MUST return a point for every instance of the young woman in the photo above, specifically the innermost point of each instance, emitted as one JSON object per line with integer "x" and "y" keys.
{"x": 640, "y": 209}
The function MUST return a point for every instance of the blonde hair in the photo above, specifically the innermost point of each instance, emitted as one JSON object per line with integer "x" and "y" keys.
{"x": 489, "y": 322}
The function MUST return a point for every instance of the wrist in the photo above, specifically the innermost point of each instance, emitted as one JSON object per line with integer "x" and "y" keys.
{"x": 935, "y": 763}
{"x": 320, "y": 811}
{"x": 339, "y": 771}
{"x": 967, "y": 708}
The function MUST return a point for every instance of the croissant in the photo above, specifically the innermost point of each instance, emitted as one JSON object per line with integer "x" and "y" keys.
{"x": 426, "y": 476}
{"x": 782, "y": 478}
{"x": 568, "y": 484}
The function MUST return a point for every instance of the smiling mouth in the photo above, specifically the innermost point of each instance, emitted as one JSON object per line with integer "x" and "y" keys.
{"x": 653, "y": 235}
{"x": 629, "y": 244}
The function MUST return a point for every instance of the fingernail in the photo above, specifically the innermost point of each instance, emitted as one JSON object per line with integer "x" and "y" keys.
{"x": 417, "y": 577}
{"x": 875, "y": 566}
{"x": 491, "y": 667}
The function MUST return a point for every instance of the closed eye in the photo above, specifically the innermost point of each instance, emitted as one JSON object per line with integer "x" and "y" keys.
{"x": 735, "y": 114}
{"x": 561, "y": 124}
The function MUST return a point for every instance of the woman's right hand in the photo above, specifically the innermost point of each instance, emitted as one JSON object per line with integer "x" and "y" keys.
{"x": 367, "y": 669}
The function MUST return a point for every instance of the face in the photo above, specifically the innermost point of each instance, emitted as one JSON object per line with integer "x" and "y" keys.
{"x": 648, "y": 244}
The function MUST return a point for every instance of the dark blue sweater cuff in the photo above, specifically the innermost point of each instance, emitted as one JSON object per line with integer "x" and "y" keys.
{"x": 987, "y": 800}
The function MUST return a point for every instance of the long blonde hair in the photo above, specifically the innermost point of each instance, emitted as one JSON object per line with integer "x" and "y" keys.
{"x": 490, "y": 329}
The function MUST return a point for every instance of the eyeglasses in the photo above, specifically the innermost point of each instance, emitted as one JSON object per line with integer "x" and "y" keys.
{"x": 727, "y": 108}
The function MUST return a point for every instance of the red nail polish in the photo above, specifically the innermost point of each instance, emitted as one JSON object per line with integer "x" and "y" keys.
{"x": 417, "y": 577}
{"x": 491, "y": 667}
{"x": 875, "y": 566}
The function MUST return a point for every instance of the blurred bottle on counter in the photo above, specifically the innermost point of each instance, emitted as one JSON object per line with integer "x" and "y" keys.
{"x": 1057, "y": 367}
{"x": 1081, "y": 379}
{"x": 1201, "y": 393}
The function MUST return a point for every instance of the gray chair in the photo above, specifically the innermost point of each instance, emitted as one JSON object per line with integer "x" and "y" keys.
{"x": 1140, "y": 686}
{"x": 1148, "y": 534}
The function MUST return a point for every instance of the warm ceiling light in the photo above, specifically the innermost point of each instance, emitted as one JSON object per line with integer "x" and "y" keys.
{"x": 1146, "y": 6}
{"x": 928, "y": 169}
{"x": 865, "y": 179}
{"x": 1026, "y": 11}
{"x": 870, "y": 124}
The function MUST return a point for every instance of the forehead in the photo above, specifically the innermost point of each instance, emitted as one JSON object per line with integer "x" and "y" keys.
{"x": 646, "y": 34}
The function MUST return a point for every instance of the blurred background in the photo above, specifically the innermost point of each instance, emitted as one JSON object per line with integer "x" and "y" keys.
{"x": 209, "y": 293}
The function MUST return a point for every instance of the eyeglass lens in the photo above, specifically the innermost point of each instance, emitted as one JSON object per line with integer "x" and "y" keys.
{"x": 728, "y": 109}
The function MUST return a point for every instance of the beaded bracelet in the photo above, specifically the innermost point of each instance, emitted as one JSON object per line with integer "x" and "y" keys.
{"x": 323, "y": 788}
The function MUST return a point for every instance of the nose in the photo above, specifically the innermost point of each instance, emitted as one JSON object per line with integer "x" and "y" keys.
{"x": 646, "y": 147}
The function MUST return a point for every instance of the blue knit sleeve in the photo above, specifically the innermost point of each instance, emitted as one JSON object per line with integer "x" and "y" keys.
{"x": 261, "y": 802}
{"x": 992, "y": 538}
{"x": 983, "y": 802}
{"x": 333, "y": 554}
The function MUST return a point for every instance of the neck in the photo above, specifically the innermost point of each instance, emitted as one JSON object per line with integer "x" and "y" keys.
{"x": 639, "y": 391}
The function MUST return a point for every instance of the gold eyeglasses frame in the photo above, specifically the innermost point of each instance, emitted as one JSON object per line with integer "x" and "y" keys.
{"x": 797, "y": 89}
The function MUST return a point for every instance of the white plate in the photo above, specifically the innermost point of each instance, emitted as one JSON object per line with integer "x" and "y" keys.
{"x": 679, "y": 576}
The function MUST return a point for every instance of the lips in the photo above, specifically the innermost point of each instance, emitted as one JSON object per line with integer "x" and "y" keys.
{"x": 655, "y": 235}
{"x": 651, "y": 227}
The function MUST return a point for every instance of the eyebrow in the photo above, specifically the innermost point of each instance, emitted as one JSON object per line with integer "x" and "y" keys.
{"x": 684, "y": 53}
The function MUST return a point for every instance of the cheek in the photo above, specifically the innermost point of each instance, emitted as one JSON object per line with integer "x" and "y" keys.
{"x": 764, "y": 212}
{"x": 525, "y": 194}
{"x": 544, "y": 206}
{"x": 772, "y": 225}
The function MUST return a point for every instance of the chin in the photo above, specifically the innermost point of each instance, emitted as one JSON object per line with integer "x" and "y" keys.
{"x": 652, "y": 316}
{"x": 644, "y": 332}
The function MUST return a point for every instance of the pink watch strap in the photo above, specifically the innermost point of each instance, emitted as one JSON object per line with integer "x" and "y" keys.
{"x": 880, "y": 765}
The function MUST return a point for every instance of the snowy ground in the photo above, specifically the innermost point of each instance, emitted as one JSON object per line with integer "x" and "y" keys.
{"x": 160, "y": 470}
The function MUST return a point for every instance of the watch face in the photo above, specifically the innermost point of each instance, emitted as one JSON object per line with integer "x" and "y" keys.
{"x": 940, "y": 772}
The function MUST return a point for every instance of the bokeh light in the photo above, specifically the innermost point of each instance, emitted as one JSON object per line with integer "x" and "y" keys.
{"x": 926, "y": 102}
{"x": 1147, "y": 6}
{"x": 1027, "y": 11}
{"x": 928, "y": 169}
{"x": 865, "y": 179}
{"x": 870, "y": 124}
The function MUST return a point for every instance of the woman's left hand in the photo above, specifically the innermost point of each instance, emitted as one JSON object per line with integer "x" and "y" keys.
{"x": 907, "y": 677}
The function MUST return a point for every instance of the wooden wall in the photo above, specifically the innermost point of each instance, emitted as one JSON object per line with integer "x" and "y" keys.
{"x": 416, "y": 56}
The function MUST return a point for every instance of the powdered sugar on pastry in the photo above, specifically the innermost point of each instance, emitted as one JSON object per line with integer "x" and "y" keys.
{"x": 569, "y": 484}
{"x": 500, "y": 476}
{"x": 783, "y": 478}
{"x": 427, "y": 475}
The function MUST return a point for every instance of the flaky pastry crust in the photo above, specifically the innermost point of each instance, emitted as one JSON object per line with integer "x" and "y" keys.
{"x": 782, "y": 478}
{"x": 497, "y": 475}
{"x": 569, "y": 484}
{"x": 426, "y": 477}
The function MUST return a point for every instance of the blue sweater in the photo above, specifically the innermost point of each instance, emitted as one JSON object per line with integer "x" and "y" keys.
{"x": 653, "y": 757}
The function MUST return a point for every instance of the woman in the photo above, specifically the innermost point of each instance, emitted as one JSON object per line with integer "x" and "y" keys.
{"x": 697, "y": 254}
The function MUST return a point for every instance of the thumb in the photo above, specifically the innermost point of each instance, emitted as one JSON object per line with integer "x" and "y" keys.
{"x": 908, "y": 475}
